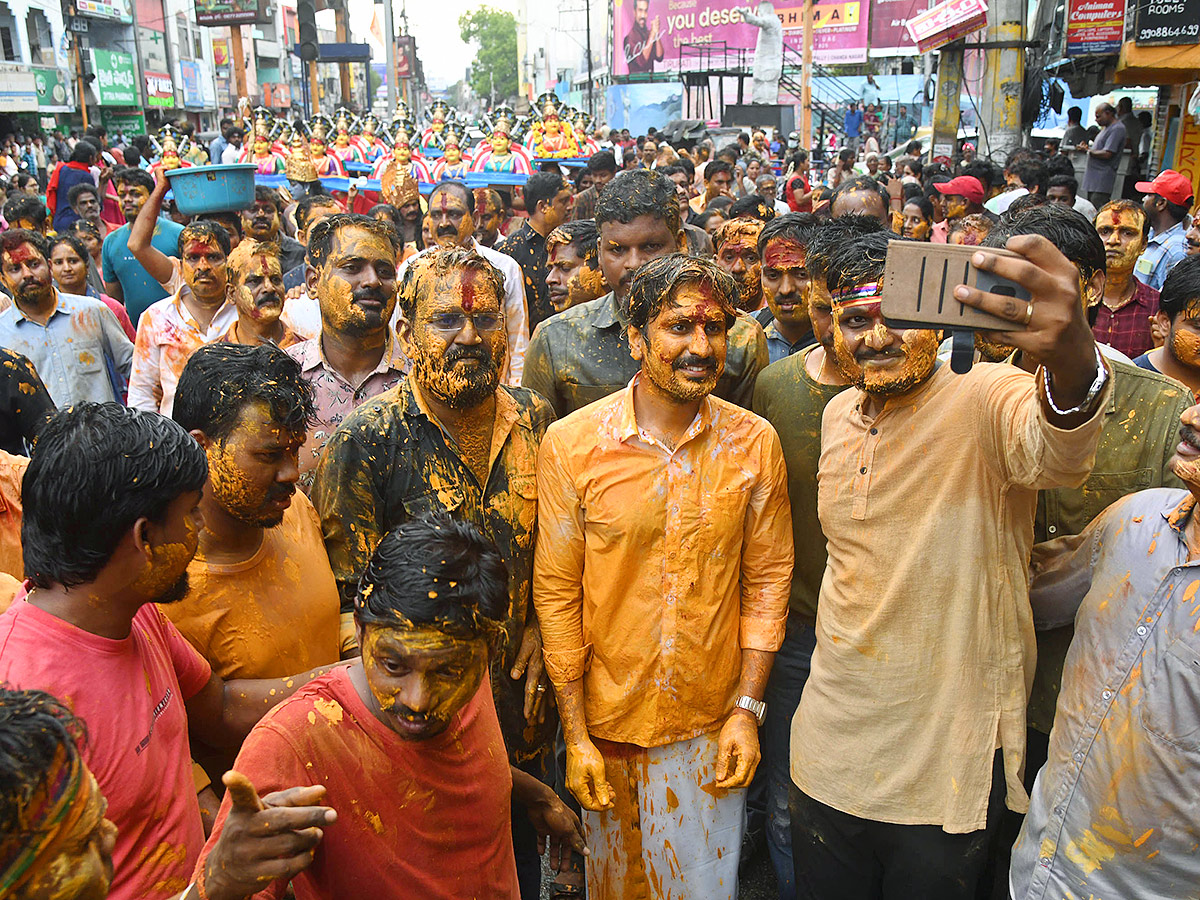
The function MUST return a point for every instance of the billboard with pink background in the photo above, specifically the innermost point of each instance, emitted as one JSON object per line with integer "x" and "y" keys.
{"x": 649, "y": 33}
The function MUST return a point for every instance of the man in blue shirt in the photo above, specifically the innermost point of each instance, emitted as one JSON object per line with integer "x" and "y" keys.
{"x": 75, "y": 343}
{"x": 124, "y": 277}
{"x": 852, "y": 125}
{"x": 1168, "y": 199}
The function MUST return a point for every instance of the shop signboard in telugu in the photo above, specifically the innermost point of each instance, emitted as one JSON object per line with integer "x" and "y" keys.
{"x": 53, "y": 90}
{"x": 159, "y": 90}
{"x": 117, "y": 10}
{"x": 126, "y": 123}
{"x": 1167, "y": 22}
{"x": 232, "y": 12}
{"x": 946, "y": 22}
{"x": 1095, "y": 27}
{"x": 116, "y": 80}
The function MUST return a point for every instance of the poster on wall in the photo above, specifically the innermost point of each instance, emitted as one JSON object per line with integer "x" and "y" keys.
{"x": 1095, "y": 27}
{"x": 639, "y": 106}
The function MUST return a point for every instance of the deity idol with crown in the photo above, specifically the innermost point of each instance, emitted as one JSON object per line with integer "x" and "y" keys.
{"x": 343, "y": 147}
{"x": 368, "y": 141}
{"x": 298, "y": 166}
{"x": 453, "y": 165}
{"x": 434, "y": 136}
{"x": 552, "y": 136}
{"x": 502, "y": 154}
{"x": 171, "y": 146}
{"x": 260, "y": 152}
{"x": 327, "y": 165}
{"x": 583, "y": 124}
{"x": 401, "y": 132}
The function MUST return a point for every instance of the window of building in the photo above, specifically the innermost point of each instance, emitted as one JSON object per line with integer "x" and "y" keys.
{"x": 41, "y": 43}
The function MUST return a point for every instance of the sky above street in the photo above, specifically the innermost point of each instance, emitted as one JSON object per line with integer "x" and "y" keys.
{"x": 435, "y": 26}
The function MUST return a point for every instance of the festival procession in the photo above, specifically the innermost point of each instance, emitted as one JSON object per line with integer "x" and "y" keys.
{"x": 625, "y": 453}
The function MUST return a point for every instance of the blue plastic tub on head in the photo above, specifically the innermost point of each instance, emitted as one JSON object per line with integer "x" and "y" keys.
{"x": 211, "y": 189}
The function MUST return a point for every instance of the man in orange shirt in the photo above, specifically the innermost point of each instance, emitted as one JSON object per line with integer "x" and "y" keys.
{"x": 661, "y": 580}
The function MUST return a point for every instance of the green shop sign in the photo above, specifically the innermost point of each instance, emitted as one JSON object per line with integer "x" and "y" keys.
{"x": 53, "y": 92}
{"x": 116, "y": 80}
{"x": 127, "y": 123}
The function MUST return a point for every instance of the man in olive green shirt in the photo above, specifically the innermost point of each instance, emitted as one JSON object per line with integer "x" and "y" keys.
{"x": 582, "y": 354}
{"x": 791, "y": 394}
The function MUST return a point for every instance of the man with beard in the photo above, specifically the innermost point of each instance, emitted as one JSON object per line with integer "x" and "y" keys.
{"x": 452, "y": 224}
{"x": 548, "y": 201}
{"x": 661, "y": 580}
{"x": 1119, "y": 787}
{"x": 583, "y": 354}
{"x": 792, "y": 395}
{"x": 261, "y": 601}
{"x": 1124, "y": 312}
{"x": 256, "y": 286}
{"x": 125, "y": 278}
{"x": 736, "y": 246}
{"x": 111, "y": 521}
{"x": 75, "y": 343}
{"x": 198, "y": 313}
{"x": 1178, "y": 318}
{"x": 573, "y": 259}
{"x": 85, "y": 201}
{"x": 451, "y": 437}
{"x": 941, "y": 655}
{"x": 352, "y": 273}
{"x": 262, "y": 220}
{"x": 963, "y": 196}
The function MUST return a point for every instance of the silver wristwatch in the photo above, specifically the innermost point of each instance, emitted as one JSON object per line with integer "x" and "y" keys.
{"x": 751, "y": 705}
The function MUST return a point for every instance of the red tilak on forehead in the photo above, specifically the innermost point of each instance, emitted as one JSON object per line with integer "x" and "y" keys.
{"x": 197, "y": 246}
{"x": 785, "y": 255}
{"x": 468, "y": 291}
{"x": 22, "y": 253}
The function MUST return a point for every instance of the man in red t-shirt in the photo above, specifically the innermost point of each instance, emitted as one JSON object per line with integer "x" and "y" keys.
{"x": 406, "y": 740}
{"x": 110, "y": 504}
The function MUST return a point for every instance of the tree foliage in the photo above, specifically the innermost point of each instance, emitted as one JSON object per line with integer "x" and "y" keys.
{"x": 494, "y": 72}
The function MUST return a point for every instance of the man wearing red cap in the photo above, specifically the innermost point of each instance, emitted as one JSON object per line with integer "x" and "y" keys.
{"x": 1168, "y": 199}
{"x": 963, "y": 196}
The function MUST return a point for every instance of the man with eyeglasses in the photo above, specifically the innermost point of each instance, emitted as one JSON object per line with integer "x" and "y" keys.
{"x": 452, "y": 437}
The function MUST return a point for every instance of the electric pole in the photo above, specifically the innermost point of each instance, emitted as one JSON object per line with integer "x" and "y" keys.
{"x": 1004, "y": 79}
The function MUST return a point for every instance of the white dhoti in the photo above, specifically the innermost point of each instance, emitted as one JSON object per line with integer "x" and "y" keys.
{"x": 671, "y": 834}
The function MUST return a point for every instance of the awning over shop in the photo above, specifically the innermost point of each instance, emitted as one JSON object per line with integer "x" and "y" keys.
{"x": 1175, "y": 64}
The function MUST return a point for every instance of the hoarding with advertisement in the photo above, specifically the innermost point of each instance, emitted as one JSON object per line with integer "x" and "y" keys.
{"x": 160, "y": 91}
{"x": 946, "y": 22}
{"x": 18, "y": 88}
{"x": 232, "y": 12}
{"x": 220, "y": 47}
{"x": 1167, "y": 22}
{"x": 117, "y": 10}
{"x": 648, "y": 33}
{"x": 889, "y": 36}
{"x": 1095, "y": 27}
{"x": 126, "y": 123}
{"x": 189, "y": 83}
{"x": 53, "y": 90}
{"x": 839, "y": 30}
{"x": 116, "y": 78}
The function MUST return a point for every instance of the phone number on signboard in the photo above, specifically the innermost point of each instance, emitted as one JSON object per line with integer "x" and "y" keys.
{"x": 1168, "y": 31}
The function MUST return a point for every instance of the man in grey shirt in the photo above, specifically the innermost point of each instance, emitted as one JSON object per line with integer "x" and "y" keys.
{"x": 1104, "y": 156}
{"x": 1113, "y": 811}
{"x": 75, "y": 343}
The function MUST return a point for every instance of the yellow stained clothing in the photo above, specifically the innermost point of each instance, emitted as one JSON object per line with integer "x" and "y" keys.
{"x": 273, "y": 615}
{"x": 12, "y": 560}
{"x": 655, "y": 569}
{"x": 925, "y": 643}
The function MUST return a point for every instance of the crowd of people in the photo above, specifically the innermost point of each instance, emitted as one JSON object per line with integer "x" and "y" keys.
{"x": 392, "y": 550}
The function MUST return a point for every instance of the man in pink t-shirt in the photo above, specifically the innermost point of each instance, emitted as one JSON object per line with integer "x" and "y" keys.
{"x": 110, "y": 504}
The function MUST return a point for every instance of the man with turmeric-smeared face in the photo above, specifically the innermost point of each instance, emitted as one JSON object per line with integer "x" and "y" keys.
{"x": 1123, "y": 314}
{"x": 939, "y": 656}
{"x": 736, "y": 246}
{"x": 256, "y": 285}
{"x": 352, "y": 273}
{"x": 661, "y": 573}
{"x": 574, "y": 265}
{"x": 451, "y": 436}
{"x": 452, "y": 224}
